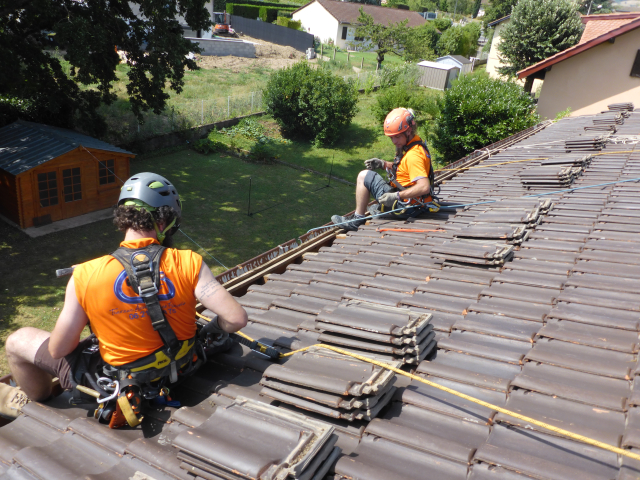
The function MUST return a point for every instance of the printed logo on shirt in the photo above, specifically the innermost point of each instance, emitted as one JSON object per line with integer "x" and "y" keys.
{"x": 165, "y": 285}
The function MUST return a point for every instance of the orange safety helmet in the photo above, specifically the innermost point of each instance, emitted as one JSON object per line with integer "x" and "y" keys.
{"x": 399, "y": 120}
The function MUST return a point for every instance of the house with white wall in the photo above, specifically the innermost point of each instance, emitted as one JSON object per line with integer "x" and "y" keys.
{"x": 335, "y": 22}
{"x": 493, "y": 60}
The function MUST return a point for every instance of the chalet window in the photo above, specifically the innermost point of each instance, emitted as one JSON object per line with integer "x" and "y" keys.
{"x": 106, "y": 173}
{"x": 71, "y": 184}
{"x": 344, "y": 33}
{"x": 635, "y": 70}
{"x": 48, "y": 189}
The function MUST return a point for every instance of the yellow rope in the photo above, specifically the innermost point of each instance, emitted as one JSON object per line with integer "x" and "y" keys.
{"x": 524, "y": 160}
{"x": 559, "y": 431}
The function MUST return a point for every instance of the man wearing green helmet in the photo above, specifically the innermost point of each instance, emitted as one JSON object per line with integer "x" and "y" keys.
{"x": 139, "y": 301}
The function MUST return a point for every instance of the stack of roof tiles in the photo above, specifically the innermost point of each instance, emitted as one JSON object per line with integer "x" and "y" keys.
{"x": 585, "y": 143}
{"x": 330, "y": 384}
{"x": 557, "y": 172}
{"x": 621, "y": 107}
{"x": 552, "y": 334}
{"x": 252, "y": 440}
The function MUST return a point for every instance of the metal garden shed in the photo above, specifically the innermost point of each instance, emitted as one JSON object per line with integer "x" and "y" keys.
{"x": 437, "y": 75}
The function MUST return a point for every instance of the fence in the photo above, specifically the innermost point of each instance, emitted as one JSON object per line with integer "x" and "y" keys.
{"x": 272, "y": 33}
{"x": 202, "y": 112}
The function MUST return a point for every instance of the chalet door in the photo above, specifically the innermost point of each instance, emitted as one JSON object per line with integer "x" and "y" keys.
{"x": 47, "y": 197}
{"x": 71, "y": 192}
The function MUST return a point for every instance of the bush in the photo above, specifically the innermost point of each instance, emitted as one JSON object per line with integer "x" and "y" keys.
{"x": 310, "y": 103}
{"x": 287, "y": 22}
{"x": 262, "y": 151}
{"x": 442, "y": 24}
{"x": 478, "y": 111}
{"x": 265, "y": 11}
{"x": 421, "y": 101}
{"x": 404, "y": 74}
{"x": 246, "y": 11}
{"x": 207, "y": 146}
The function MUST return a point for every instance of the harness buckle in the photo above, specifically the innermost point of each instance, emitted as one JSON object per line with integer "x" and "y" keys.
{"x": 148, "y": 291}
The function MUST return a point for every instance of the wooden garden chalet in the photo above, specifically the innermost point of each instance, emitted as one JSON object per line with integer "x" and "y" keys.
{"x": 49, "y": 174}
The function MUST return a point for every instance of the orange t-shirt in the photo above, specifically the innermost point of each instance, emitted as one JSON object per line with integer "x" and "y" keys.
{"x": 117, "y": 314}
{"x": 415, "y": 165}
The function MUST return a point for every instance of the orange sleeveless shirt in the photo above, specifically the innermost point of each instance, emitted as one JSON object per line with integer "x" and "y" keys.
{"x": 118, "y": 316}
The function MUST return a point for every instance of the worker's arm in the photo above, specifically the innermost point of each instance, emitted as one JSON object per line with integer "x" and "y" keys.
{"x": 72, "y": 320}
{"x": 231, "y": 316}
{"x": 421, "y": 188}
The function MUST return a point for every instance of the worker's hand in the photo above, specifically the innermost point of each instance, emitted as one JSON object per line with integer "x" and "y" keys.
{"x": 388, "y": 199}
{"x": 374, "y": 163}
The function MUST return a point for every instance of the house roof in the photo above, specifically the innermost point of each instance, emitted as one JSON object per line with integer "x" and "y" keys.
{"x": 551, "y": 334}
{"x": 459, "y": 58}
{"x": 348, "y": 12}
{"x": 499, "y": 20}
{"x": 25, "y": 145}
{"x": 439, "y": 66}
{"x": 598, "y": 30}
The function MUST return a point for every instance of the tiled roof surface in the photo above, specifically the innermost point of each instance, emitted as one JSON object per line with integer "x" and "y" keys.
{"x": 596, "y": 27}
{"x": 24, "y": 145}
{"x": 348, "y": 12}
{"x": 533, "y": 302}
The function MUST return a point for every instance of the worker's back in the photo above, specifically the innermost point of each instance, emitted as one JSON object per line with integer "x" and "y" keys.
{"x": 118, "y": 315}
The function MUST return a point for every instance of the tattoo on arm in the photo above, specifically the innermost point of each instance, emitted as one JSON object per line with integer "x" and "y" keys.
{"x": 209, "y": 289}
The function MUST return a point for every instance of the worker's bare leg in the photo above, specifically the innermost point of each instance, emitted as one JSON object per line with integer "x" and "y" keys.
{"x": 362, "y": 194}
{"x": 21, "y": 348}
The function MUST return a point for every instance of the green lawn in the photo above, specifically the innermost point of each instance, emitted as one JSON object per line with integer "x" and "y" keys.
{"x": 215, "y": 191}
{"x": 355, "y": 58}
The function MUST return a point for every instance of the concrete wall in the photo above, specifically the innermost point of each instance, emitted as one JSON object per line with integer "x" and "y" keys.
{"x": 221, "y": 48}
{"x": 319, "y": 23}
{"x": 272, "y": 33}
{"x": 593, "y": 79}
{"x": 493, "y": 61}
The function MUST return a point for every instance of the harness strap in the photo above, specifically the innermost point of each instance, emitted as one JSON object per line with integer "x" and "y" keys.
{"x": 143, "y": 270}
{"x": 398, "y": 159}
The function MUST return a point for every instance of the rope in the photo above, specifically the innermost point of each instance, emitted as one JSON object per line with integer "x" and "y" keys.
{"x": 559, "y": 431}
{"x": 221, "y": 264}
{"x": 492, "y": 165}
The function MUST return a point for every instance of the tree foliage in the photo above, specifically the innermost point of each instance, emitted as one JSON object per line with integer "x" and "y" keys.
{"x": 310, "y": 103}
{"x": 478, "y": 111}
{"x": 388, "y": 39}
{"x": 597, "y": 6}
{"x": 459, "y": 40}
{"x": 537, "y": 30}
{"x": 442, "y": 24}
{"x": 498, "y": 9}
{"x": 420, "y": 43}
{"x": 88, "y": 32}
{"x": 476, "y": 8}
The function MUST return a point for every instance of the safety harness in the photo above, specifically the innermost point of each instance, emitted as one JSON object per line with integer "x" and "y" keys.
{"x": 149, "y": 376}
{"x": 416, "y": 205}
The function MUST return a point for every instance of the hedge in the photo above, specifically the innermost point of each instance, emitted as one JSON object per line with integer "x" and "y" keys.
{"x": 287, "y": 22}
{"x": 268, "y": 12}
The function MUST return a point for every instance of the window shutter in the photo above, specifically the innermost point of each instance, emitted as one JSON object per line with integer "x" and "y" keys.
{"x": 344, "y": 33}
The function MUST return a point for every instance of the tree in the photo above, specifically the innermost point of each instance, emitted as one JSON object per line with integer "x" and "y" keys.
{"x": 68, "y": 94}
{"x": 498, "y": 9}
{"x": 477, "y": 111}
{"x": 537, "y": 30}
{"x": 310, "y": 103}
{"x": 388, "y": 39}
{"x": 442, "y": 24}
{"x": 420, "y": 43}
{"x": 459, "y": 40}
{"x": 476, "y": 8}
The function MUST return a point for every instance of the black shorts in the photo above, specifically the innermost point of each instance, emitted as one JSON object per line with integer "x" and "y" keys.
{"x": 376, "y": 185}
{"x": 60, "y": 367}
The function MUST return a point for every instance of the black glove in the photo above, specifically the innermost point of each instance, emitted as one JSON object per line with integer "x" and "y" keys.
{"x": 388, "y": 199}
{"x": 374, "y": 163}
{"x": 211, "y": 328}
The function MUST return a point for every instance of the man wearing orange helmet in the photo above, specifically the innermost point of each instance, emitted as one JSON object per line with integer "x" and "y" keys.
{"x": 410, "y": 174}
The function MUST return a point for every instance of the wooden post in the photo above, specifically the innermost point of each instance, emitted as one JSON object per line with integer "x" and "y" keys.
{"x": 348, "y": 55}
{"x": 362, "y": 64}
{"x": 334, "y": 53}
{"x": 321, "y": 50}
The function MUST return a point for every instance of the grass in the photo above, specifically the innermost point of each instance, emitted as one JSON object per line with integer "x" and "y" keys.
{"x": 355, "y": 59}
{"x": 215, "y": 191}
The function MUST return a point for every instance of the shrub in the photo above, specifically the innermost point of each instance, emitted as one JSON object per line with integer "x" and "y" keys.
{"x": 310, "y": 103}
{"x": 478, "y": 111}
{"x": 287, "y": 22}
{"x": 246, "y": 11}
{"x": 207, "y": 146}
{"x": 404, "y": 74}
{"x": 265, "y": 11}
{"x": 421, "y": 101}
{"x": 262, "y": 151}
{"x": 442, "y": 24}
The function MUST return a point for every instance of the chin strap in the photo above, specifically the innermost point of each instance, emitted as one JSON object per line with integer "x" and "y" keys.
{"x": 162, "y": 235}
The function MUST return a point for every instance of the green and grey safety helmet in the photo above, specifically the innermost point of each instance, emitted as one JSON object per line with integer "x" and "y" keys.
{"x": 151, "y": 191}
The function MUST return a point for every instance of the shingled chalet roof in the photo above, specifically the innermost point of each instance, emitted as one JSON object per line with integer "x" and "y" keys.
{"x": 348, "y": 12}
{"x": 598, "y": 29}
{"x": 533, "y": 301}
{"x": 25, "y": 145}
